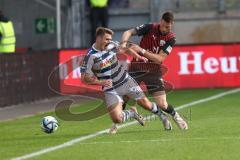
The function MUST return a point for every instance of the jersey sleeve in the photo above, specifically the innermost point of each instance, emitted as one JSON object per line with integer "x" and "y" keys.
{"x": 143, "y": 29}
{"x": 87, "y": 65}
{"x": 167, "y": 48}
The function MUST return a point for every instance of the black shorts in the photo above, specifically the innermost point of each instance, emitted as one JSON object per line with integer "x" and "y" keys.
{"x": 153, "y": 81}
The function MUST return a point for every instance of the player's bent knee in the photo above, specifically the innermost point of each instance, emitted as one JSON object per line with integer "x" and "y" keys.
{"x": 163, "y": 105}
{"x": 117, "y": 119}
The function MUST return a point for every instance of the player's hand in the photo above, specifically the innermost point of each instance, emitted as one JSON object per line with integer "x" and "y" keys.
{"x": 136, "y": 48}
{"x": 106, "y": 83}
{"x": 123, "y": 45}
{"x": 136, "y": 55}
{"x": 141, "y": 58}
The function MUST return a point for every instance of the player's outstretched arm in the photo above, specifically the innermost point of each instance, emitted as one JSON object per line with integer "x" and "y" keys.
{"x": 130, "y": 49}
{"x": 127, "y": 35}
{"x": 157, "y": 58}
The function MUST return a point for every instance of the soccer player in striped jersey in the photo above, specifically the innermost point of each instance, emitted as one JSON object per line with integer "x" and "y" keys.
{"x": 156, "y": 44}
{"x": 101, "y": 67}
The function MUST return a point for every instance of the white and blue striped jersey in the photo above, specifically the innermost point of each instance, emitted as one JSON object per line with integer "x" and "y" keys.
{"x": 105, "y": 66}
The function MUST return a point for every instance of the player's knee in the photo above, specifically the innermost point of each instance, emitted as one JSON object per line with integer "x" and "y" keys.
{"x": 163, "y": 104}
{"x": 117, "y": 119}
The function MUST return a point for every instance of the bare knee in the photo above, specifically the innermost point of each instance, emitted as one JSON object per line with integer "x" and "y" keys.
{"x": 162, "y": 104}
{"x": 117, "y": 119}
{"x": 115, "y": 112}
{"x": 161, "y": 100}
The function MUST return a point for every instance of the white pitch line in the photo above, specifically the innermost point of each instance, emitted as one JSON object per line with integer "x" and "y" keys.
{"x": 74, "y": 141}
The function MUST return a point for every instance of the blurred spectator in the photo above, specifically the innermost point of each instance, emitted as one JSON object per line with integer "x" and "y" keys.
{"x": 7, "y": 36}
{"x": 98, "y": 15}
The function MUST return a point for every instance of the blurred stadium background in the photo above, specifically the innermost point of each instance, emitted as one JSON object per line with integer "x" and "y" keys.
{"x": 44, "y": 70}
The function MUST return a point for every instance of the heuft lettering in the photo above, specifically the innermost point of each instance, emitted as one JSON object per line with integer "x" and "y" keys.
{"x": 209, "y": 65}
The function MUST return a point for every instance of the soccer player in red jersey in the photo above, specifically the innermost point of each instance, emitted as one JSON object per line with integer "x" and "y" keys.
{"x": 156, "y": 44}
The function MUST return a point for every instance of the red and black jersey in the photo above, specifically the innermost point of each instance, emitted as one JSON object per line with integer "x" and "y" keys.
{"x": 153, "y": 40}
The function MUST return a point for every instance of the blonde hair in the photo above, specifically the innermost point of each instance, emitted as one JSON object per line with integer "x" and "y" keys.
{"x": 101, "y": 31}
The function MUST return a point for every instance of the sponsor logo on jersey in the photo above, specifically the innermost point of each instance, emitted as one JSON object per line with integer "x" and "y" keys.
{"x": 162, "y": 42}
{"x": 107, "y": 62}
{"x": 169, "y": 49}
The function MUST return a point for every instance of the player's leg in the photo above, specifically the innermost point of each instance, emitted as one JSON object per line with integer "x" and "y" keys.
{"x": 151, "y": 106}
{"x": 156, "y": 88}
{"x": 134, "y": 91}
{"x": 150, "y": 79}
{"x": 161, "y": 100}
{"x": 117, "y": 114}
{"x": 113, "y": 129}
{"x": 152, "y": 83}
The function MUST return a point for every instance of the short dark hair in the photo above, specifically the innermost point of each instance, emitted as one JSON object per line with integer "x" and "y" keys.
{"x": 168, "y": 17}
{"x": 101, "y": 31}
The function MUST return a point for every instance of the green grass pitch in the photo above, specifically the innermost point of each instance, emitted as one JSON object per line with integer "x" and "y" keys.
{"x": 214, "y": 133}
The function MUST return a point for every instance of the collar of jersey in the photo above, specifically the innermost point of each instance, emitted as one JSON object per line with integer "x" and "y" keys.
{"x": 104, "y": 51}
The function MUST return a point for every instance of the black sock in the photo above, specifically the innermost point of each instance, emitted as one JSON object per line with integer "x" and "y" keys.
{"x": 156, "y": 110}
{"x": 170, "y": 110}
